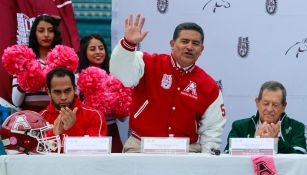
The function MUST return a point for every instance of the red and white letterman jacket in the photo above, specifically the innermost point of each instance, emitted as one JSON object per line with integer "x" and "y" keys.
{"x": 168, "y": 100}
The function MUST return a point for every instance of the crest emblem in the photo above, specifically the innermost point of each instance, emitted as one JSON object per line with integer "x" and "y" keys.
{"x": 288, "y": 130}
{"x": 243, "y": 47}
{"x": 166, "y": 81}
{"x": 190, "y": 90}
{"x": 162, "y": 5}
{"x": 271, "y": 6}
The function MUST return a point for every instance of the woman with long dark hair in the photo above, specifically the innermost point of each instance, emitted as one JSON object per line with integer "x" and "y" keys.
{"x": 44, "y": 36}
{"x": 93, "y": 52}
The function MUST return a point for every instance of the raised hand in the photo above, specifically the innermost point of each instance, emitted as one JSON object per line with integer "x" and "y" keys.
{"x": 133, "y": 29}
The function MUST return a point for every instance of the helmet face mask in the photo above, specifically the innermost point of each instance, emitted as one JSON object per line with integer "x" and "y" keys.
{"x": 49, "y": 144}
{"x": 26, "y": 132}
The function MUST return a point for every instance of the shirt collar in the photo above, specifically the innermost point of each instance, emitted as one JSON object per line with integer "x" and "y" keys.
{"x": 176, "y": 65}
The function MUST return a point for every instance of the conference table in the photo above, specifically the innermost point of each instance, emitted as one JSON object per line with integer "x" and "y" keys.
{"x": 144, "y": 164}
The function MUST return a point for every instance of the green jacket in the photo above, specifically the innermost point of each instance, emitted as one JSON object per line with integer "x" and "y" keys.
{"x": 292, "y": 138}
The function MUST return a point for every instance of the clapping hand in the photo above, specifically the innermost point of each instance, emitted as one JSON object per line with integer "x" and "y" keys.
{"x": 65, "y": 120}
{"x": 267, "y": 130}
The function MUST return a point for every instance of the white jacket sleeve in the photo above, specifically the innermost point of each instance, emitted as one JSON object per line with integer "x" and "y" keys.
{"x": 127, "y": 66}
{"x": 212, "y": 125}
{"x": 17, "y": 96}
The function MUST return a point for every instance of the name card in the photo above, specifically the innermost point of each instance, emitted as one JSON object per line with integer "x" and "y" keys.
{"x": 252, "y": 146}
{"x": 171, "y": 145}
{"x": 87, "y": 145}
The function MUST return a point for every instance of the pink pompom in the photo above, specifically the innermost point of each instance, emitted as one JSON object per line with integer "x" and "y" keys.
{"x": 100, "y": 101}
{"x": 33, "y": 79}
{"x": 122, "y": 98}
{"x": 62, "y": 56}
{"x": 104, "y": 92}
{"x": 91, "y": 80}
{"x": 123, "y": 104}
{"x": 16, "y": 57}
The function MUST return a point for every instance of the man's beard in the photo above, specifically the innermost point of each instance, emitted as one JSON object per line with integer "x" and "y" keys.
{"x": 58, "y": 106}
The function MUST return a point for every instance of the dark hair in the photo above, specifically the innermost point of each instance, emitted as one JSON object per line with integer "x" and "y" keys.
{"x": 83, "y": 60}
{"x": 188, "y": 26}
{"x": 60, "y": 72}
{"x": 274, "y": 86}
{"x": 33, "y": 43}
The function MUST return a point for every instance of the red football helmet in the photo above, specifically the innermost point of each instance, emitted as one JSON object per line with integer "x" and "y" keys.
{"x": 25, "y": 131}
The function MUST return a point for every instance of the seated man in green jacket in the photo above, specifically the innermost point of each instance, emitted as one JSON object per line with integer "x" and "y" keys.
{"x": 271, "y": 121}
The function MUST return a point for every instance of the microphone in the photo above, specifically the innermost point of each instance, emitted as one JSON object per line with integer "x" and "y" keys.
{"x": 215, "y": 151}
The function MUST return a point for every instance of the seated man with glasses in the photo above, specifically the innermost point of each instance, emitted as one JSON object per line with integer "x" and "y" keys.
{"x": 271, "y": 121}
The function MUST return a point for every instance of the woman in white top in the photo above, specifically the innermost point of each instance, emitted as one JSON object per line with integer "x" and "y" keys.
{"x": 44, "y": 36}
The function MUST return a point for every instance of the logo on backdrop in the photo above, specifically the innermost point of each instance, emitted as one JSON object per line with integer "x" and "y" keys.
{"x": 138, "y": 47}
{"x": 243, "y": 46}
{"x": 166, "y": 81}
{"x": 220, "y": 84}
{"x": 297, "y": 48}
{"x": 271, "y": 6}
{"x": 162, "y": 6}
{"x": 24, "y": 24}
{"x": 215, "y": 4}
